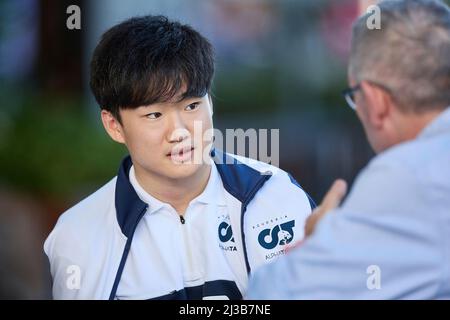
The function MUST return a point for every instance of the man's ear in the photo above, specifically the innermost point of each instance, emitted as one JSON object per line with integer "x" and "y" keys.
{"x": 112, "y": 126}
{"x": 378, "y": 104}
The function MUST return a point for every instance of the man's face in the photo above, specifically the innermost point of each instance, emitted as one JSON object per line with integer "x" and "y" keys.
{"x": 161, "y": 140}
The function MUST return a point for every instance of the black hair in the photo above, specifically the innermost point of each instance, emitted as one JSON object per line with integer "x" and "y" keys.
{"x": 146, "y": 60}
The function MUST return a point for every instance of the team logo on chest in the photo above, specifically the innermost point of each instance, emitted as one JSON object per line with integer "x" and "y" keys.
{"x": 278, "y": 231}
{"x": 225, "y": 233}
{"x": 281, "y": 234}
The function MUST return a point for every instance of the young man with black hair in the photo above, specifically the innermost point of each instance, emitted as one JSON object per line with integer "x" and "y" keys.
{"x": 169, "y": 226}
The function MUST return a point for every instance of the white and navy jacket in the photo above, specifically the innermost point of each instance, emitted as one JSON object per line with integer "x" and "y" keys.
{"x": 265, "y": 209}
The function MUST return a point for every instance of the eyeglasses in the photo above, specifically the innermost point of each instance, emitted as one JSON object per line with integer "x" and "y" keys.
{"x": 349, "y": 95}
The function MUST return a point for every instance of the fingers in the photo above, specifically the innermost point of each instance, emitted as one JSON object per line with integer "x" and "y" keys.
{"x": 334, "y": 196}
{"x": 331, "y": 201}
{"x": 311, "y": 222}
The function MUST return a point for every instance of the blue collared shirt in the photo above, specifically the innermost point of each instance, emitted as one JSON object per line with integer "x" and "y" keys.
{"x": 389, "y": 240}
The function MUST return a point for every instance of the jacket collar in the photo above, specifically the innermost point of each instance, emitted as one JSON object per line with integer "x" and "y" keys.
{"x": 128, "y": 204}
{"x": 438, "y": 126}
{"x": 239, "y": 179}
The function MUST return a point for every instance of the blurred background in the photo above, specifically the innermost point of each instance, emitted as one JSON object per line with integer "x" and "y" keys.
{"x": 280, "y": 64}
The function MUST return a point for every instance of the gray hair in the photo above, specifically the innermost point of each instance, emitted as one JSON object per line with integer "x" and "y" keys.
{"x": 409, "y": 55}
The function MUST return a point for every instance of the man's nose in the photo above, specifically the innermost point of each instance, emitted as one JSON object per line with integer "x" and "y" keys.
{"x": 177, "y": 130}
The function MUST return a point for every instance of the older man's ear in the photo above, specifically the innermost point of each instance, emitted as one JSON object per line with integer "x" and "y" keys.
{"x": 378, "y": 104}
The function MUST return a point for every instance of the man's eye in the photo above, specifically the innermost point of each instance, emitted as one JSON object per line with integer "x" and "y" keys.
{"x": 154, "y": 115}
{"x": 192, "y": 106}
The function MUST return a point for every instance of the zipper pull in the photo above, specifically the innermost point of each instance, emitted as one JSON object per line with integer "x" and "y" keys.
{"x": 182, "y": 219}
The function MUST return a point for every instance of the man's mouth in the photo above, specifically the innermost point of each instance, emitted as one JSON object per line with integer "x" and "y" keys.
{"x": 180, "y": 154}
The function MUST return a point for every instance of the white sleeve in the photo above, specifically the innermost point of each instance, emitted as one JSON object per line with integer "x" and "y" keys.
{"x": 274, "y": 219}
{"x": 66, "y": 275}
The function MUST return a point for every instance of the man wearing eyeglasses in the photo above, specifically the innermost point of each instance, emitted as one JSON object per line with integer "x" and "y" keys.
{"x": 390, "y": 239}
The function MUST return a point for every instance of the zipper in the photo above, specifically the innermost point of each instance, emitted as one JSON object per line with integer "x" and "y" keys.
{"x": 182, "y": 220}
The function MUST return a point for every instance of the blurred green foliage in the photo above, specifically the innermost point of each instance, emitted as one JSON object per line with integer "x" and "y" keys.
{"x": 246, "y": 90}
{"x": 52, "y": 148}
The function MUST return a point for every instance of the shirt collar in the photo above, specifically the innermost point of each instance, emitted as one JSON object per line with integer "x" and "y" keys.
{"x": 212, "y": 194}
{"x": 153, "y": 203}
{"x": 439, "y": 125}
